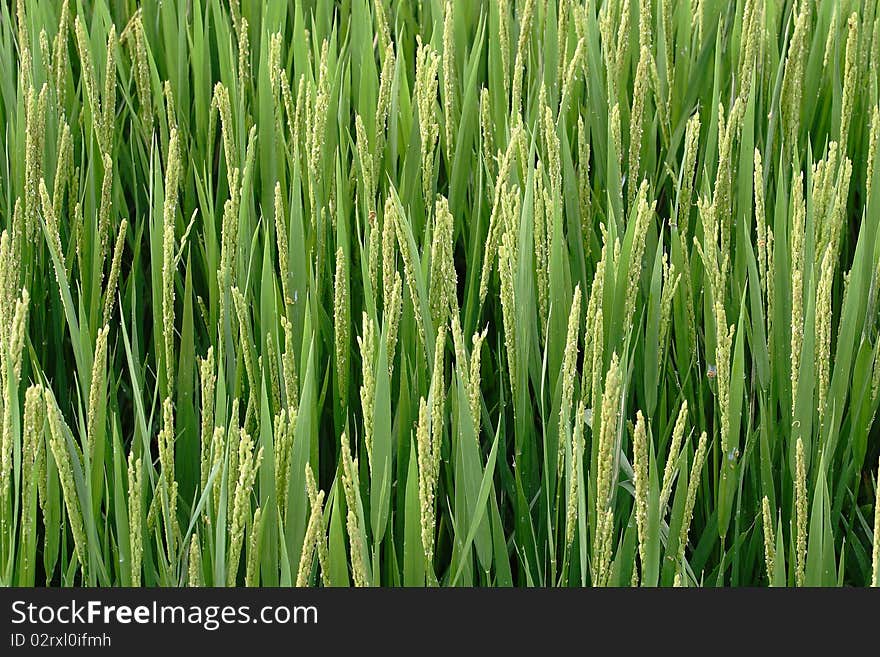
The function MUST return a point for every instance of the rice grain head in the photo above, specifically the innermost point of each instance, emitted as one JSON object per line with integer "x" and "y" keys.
{"x": 577, "y": 453}
{"x": 355, "y": 537}
{"x": 314, "y": 530}
{"x": 823, "y": 332}
{"x": 569, "y": 363}
{"x": 450, "y": 81}
{"x": 673, "y": 456}
{"x": 640, "y": 90}
{"x": 367, "y": 344}
{"x": 172, "y": 181}
{"x": 194, "y": 573}
{"x": 640, "y": 471}
{"x": 98, "y": 384}
{"x": 341, "y": 323}
{"x": 691, "y": 499}
{"x": 248, "y": 468}
{"x": 427, "y": 481}
{"x": 316, "y": 498}
{"x": 135, "y": 517}
{"x": 800, "y": 486}
{"x": 62, "y": 457}
{"x": 208, "y": 380}
{"x": 850, "y": 73}
{"x": 769, "y": 539}
{"x": 875, "y": 571}
{"x": 252, "y": 566}
{"x": 115, "y": 268}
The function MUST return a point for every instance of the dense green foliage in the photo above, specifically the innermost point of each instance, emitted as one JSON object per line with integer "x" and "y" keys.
{"x": 386, "y": 292}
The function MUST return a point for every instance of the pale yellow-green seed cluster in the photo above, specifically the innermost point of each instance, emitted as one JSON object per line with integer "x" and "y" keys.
{"x": 511, "y": 293}
{"x": 801, "y": 506}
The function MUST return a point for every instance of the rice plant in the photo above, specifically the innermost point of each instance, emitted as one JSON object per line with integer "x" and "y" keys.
{"x": 440, "y": 292}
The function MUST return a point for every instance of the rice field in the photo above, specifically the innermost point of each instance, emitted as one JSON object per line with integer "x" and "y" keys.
{"x": 440, "y": 293}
